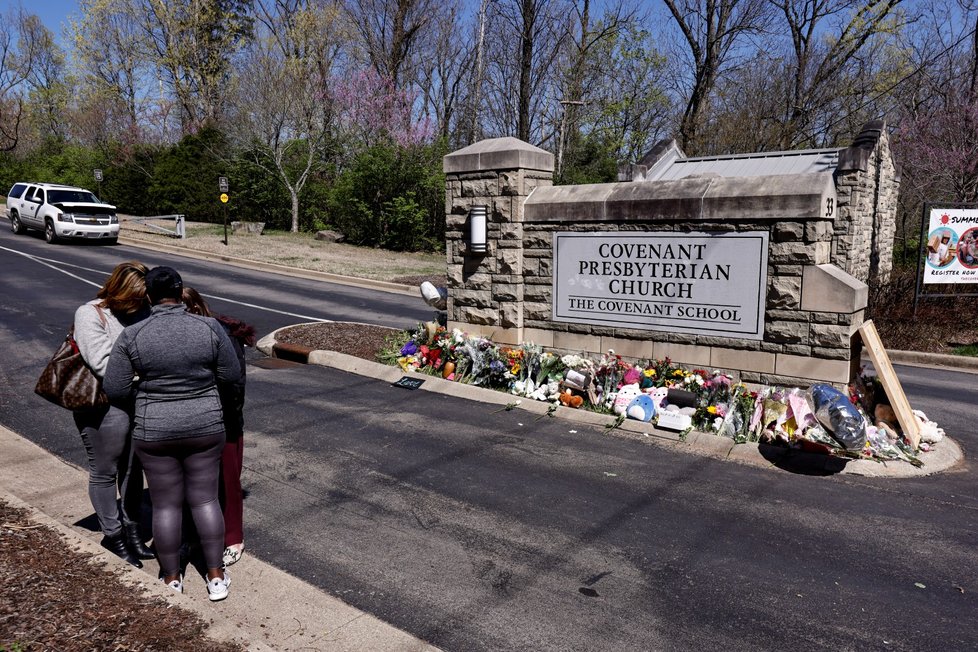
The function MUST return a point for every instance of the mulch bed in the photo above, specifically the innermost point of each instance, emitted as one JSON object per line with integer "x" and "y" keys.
{"x": 360, "y": 340}
{"x": 54, "y": 598}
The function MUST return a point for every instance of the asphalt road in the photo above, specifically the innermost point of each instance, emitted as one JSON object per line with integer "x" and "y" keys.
{"x": 480, "y": 529}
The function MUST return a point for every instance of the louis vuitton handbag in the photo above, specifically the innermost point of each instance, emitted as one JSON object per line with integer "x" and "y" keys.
{"x": 69, "y": 382}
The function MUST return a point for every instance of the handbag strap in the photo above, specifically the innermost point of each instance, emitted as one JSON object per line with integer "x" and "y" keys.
{"x": 70, "y": 337}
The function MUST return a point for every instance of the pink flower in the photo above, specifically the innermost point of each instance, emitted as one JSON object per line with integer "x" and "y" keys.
{"x": 632, "y": 376}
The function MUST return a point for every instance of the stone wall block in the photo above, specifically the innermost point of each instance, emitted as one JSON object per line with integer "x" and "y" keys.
{"x": 511, "y": 182}
{"x": 511, "y": 233}
{"x": 474, "y": 298}
{"x": 788, "y": 232}
{"x": 832, "y": 354}
{"x": 502, "y": 209}
{"x": 818, "y": 231}
{"x": 480, "y": 187}
{"x": 537, "y": 311}
{"x": 787, "y": 332}
{"x": 510, "y": 262}
{"x": 786, "y": 315}
{"x": 797, "y": 349}
{"x": 784, "y": 292}
{"x": 826, "y": 335}
{"x": 538, "y": 293}
{"x": 485, "y": 316}
{"x": 511, "y": 317}
{"x": 798, "y": 253}
{"x": 507, "y": 292}
{"x": 537, "y": 239}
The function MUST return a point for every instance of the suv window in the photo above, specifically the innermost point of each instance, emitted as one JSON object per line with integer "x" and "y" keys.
{"x": 17, "y": 190}
{"x": 36, "y": 196}
{"x": 62, "y": 196}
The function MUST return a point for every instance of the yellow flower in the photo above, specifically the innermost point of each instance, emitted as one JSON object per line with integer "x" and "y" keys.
{"x": 649, "y": 373}
{"x": 712, "y": 409}
{"x": 678, "y": 372}
{"x": 516, "y": 368}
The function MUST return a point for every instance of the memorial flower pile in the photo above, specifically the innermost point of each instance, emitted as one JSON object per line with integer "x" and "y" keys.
{"x": 820, "y": 418}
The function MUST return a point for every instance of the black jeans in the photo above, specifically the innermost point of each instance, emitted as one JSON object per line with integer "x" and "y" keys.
{"x": 178, "y": 471}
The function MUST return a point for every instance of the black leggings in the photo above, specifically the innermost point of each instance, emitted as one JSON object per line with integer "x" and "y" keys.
{"x": 179, "y": 470}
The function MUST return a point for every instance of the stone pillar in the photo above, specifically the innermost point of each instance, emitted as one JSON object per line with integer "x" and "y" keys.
{"x": 867, "y": 186}
{"x": 485, "y": 290}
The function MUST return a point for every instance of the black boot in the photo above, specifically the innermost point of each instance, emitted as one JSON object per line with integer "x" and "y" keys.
{"x": 135, "y": 542}
{"x": 117, "y": 545}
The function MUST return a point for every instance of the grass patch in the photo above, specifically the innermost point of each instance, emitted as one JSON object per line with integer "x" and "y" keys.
{"x": 969, "y": 350}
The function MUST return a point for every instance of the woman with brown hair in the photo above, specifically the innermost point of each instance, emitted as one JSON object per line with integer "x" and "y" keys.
{"x": 121, "y": 301}
{"x": 232, "y": 404}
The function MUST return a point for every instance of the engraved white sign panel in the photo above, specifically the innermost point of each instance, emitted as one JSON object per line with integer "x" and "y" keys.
{"x": 703, "y": 283}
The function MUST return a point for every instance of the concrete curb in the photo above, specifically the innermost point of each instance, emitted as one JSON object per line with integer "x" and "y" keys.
{"x": 942, "y": 458}
{"x": 247, "y": 263}
{"x": 934, "y": 360}
{"x": 268, "y": 609}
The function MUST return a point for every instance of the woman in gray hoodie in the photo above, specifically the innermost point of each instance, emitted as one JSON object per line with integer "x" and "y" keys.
{"x": 169, "y": 365}
{"x": 121, "y": 301}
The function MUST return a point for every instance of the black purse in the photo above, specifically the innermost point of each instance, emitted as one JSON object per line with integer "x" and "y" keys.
{"x": 67, "y": 381}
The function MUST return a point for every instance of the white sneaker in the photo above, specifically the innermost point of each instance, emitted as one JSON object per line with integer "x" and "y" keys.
{"x": 217, "y": 588}
{"x": 176, "y": 585}
{"x": 233, "y": 553}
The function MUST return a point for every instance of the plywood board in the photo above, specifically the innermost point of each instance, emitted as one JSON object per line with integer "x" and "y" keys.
{"x": 891, "y": 384}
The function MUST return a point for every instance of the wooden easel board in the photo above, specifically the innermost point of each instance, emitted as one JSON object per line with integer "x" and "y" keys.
{"x": 891, "y": 384}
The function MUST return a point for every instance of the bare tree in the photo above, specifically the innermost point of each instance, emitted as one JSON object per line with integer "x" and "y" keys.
{"x": 445, "y": 74}
{"x": 192, "y": 43}
{"x": 390, "y": 31}
{"x": 712, "y": 30}
{"x": 521, "y": 78}
{"x": 283, "y": 110}
{"x": 821, "y": 54}
{"x": 589, "y": 45}
{"x": 18, "y": 55}
{"x": 111, "y": 59}
{"x": 47, "y": 82}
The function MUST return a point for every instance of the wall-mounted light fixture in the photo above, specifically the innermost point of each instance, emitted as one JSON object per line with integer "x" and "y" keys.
{"x": 477, "y": 229}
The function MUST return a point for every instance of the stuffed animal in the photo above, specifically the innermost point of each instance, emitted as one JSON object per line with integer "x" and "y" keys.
{"x": 570, "y": 399}
{"x": 625, "y": 396}
{"x": 641, "y": 408}
{"x": 659, "y": 395}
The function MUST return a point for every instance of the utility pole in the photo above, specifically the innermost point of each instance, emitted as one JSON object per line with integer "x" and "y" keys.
{"x": 477, "y": 81}
{"x": 563, "y": 129}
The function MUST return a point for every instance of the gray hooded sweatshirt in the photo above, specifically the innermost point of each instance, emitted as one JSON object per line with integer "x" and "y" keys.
{"x": 170, "y": 364}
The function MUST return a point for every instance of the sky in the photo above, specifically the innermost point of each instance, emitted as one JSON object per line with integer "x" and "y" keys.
{"x": 53, "y": 13}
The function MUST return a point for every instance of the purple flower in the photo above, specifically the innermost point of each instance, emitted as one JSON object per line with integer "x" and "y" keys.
{"x": 410, "y": 348}
{"x": 497, "y": 367}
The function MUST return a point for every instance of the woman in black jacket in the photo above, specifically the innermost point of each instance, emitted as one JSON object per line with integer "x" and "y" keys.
{"x": 232, "y": 402}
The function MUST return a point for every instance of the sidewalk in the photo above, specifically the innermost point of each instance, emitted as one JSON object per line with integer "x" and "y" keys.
{"x": 268, "y": 609}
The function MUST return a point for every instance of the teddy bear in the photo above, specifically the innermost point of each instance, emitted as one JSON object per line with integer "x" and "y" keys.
{"x": 626, "y": 395}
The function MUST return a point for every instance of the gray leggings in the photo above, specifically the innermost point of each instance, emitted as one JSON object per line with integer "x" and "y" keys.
{"x": 111, "y": 463}
{"x": 179, "y": 470}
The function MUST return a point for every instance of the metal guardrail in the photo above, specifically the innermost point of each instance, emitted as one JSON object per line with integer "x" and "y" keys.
{"x": 178, "y": 231}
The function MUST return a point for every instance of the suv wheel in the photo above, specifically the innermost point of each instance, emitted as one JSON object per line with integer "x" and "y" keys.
{"x": 49, "y": 233}
{"x": 15, "y": 223}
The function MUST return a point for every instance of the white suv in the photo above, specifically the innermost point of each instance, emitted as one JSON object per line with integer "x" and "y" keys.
{"x": 61, "y": 212}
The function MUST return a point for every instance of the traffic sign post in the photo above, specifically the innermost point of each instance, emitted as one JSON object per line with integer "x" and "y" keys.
{"x": 98, "y": 179}
{"x": 222, "y": 186}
